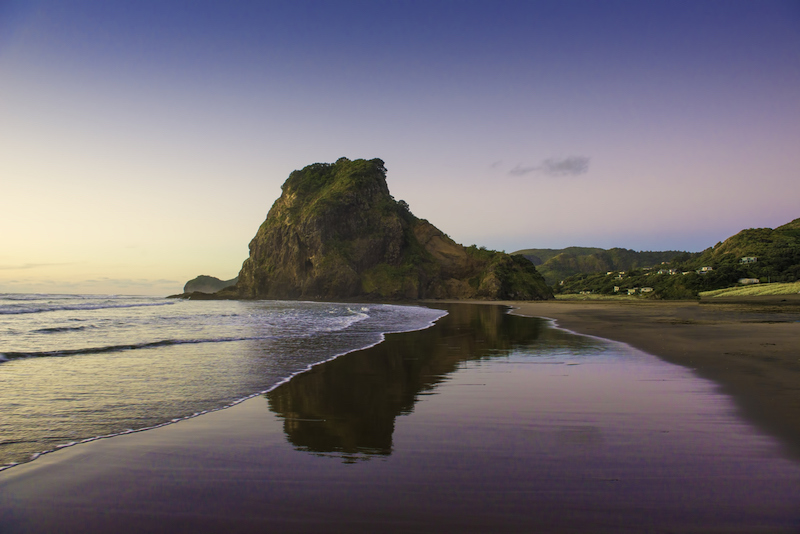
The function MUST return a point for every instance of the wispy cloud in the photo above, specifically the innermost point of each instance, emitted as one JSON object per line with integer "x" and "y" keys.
{"x": 569, "y": 166}
{"x": 125, "y": 282}
{"x": 30, "y": 266}
{"x": 519, "y": 170}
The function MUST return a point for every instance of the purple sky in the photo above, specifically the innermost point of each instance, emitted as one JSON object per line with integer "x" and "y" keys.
{"x": 144, "y": 142}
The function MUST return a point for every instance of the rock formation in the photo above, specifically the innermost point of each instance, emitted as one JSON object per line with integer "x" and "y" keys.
{"x": 207, "y": 284}
{"x": 337, "y": 233}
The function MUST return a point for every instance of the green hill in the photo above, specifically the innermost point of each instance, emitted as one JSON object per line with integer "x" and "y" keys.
{"x": 541, "y": 255}
{"x": 557, "y": 264}
{"x": 794, "y": 225}
{"x": 755, "y": 255}
{"x": 775, "y": 254}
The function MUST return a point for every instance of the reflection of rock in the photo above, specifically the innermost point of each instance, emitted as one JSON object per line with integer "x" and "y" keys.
{"x": 348, "y": 406}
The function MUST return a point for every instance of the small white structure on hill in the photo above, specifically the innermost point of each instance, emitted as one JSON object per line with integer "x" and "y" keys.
{"x": 749, "y": 259}
{"x": 747, "y": 281}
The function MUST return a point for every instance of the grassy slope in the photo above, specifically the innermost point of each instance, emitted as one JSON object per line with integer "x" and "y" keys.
{"x": 755, "y": 290}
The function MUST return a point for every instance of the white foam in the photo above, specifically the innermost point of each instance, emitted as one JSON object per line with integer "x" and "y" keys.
{"x": 19, "y": 310}
{"x": 388, "y": 319}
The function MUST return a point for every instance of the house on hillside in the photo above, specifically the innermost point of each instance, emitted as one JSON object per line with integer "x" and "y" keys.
{"x": 646, "y": 290}
{"x": 749, "y": 259}
{"x": 705, "y": 270}
{"x": 748, "y": 281}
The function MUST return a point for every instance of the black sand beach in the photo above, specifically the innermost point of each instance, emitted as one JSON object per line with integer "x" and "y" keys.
{"x": 485, "y": 422}
{"x": 749, "y": 346}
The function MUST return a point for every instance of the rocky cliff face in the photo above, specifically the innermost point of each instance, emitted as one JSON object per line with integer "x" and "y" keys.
{"x": 337, "y": 233}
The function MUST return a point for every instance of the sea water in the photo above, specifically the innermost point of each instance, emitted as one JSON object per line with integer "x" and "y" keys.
{"x": 485, "y": 422}
{"x": 77, "y": 367}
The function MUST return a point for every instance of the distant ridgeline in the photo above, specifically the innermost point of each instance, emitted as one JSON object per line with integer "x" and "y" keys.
{"x": 557, "y": 264}
{"x": 757, "y": 255}
{"x": 336, "y": 233}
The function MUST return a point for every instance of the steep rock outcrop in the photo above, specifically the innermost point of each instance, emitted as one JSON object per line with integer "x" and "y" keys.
{"x": 337, "y": 233}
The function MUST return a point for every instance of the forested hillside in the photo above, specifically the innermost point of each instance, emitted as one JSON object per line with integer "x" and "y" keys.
{"x": 753, "y": 256}
{"x": 557, "y": 264}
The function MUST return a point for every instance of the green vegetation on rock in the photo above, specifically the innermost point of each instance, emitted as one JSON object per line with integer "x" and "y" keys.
{"x": 337, "y": 233}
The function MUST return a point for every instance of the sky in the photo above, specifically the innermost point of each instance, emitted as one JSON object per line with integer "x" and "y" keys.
{"x": 143, "y": 142}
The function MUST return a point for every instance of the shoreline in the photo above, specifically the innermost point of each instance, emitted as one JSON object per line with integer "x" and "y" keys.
{"x": 245, "y": 396}
{"x": 748, "y": 346}
{"x": 472, "y": 425}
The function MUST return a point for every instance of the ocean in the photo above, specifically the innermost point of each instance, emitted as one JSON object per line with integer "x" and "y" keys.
{"x": 472, "y": 420}
{"x": 74, "y": 368}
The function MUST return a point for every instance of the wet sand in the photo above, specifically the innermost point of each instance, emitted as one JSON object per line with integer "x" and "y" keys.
{"x": 483, "y": 423}
{"x": 749, "y": 346}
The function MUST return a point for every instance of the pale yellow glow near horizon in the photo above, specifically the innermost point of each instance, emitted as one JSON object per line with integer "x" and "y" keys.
{"x": 72, "y": 232}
